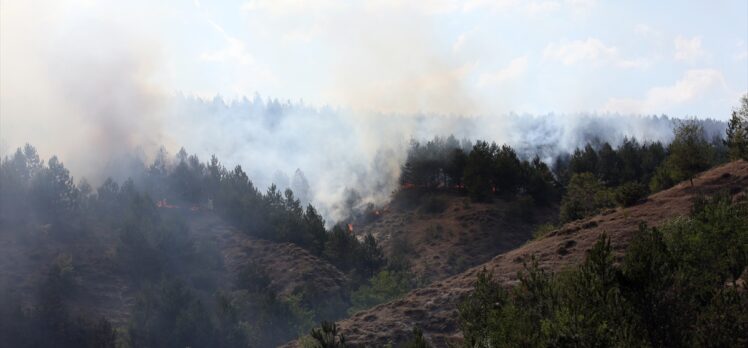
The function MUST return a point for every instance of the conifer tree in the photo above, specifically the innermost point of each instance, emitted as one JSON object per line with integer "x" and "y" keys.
{"x": 737, "y": 132}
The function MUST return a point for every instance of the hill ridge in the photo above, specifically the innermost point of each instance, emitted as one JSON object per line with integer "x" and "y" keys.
{"x": 433, "y": 308}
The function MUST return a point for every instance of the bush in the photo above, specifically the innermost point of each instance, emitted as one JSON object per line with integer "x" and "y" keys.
{"x": 585, "y": 196}
{"x": 326, "y": 336}
{"x": 542, "y": 230}
{"x": 630, "y": 193}
{"x": 383, "y": 287}
{"x": 662, "y": 179}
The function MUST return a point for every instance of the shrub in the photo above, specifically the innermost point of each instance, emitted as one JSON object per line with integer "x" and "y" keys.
{"x": 326, "y": 336}
{"x": 382, "y": 287}
{"x": 662, "y": 179}
{"x": 584, "y": 196}
{"x": 542, "y": 230}
{"x": 630, "y": 193}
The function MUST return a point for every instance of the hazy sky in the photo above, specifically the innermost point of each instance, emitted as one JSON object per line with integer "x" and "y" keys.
{"x": 94, "y": 81}
{"x": 682, "y": 58}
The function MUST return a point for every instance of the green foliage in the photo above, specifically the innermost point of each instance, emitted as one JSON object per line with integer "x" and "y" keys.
{"x": 737, "y": 132}
{"x": 371, "y": 256}
{"x": 478, "y": 312}
{"x": 676, "y": 287}
{"x": 609, "y": 165}
{"x": 690, "y": 152}
{"x": 630, "y": 161}
{"x": 538, "y": 182}
{"x": 543, "y": 230}
{"x": 585, "y": 196}
{"x": 341, "y": 248}
{"x": 438, "y": 162}
{"x": 382, "y": 287}
{"x": 662, "y": 178}
{"x": 630, "y": 193}
{"x": 584, "y": 160}
{"x": 507, "y": 172}
{"x": 478, "y": 171}
{"x": 326, "y": 336}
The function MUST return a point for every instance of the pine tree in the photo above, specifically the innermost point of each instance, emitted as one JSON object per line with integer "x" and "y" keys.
{"x": 690, "y": 152}
{"x": 737, "y": 132}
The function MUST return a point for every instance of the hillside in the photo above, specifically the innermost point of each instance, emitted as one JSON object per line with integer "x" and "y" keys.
{"x": 101, "y": 288}
{"x": 461, "y": 235}
{"x": 433, "y": 308}
{"x": 301, "y": 271}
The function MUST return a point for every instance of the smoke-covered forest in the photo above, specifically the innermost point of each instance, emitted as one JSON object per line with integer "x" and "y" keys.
{"x": 368, "y": 173}
{"x": 139, "y": 230}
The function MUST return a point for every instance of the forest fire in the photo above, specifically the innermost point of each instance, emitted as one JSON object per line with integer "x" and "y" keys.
{"x": 350, "y": 228}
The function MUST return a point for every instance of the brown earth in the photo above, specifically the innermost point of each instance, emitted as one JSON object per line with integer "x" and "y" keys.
{"x": 433, "y": 308}
{"x": 463, "y": 235}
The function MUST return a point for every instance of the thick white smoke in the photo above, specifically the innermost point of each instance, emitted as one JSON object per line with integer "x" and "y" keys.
{"x": 84, "y": 80}
{"x": 344, "y": 153}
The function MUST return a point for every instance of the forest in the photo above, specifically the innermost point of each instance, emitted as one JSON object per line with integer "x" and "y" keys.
{"x": 180, "y": 302}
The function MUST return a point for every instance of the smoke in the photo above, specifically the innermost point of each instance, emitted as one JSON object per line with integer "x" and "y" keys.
{"x": 85, "y": 81}
{"x": 350, "y": 158}
{"x": 78, "y": 87}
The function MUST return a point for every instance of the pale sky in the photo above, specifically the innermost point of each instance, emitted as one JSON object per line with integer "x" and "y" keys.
{"x": 681, "y": 58}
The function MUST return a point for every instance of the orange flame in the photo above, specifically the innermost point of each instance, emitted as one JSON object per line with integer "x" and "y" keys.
{"x": 350, "y": 228}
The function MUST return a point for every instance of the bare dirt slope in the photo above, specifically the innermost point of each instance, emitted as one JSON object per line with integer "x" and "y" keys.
{"x": 433, "y": 308}
{"x": 463, "y": 235}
